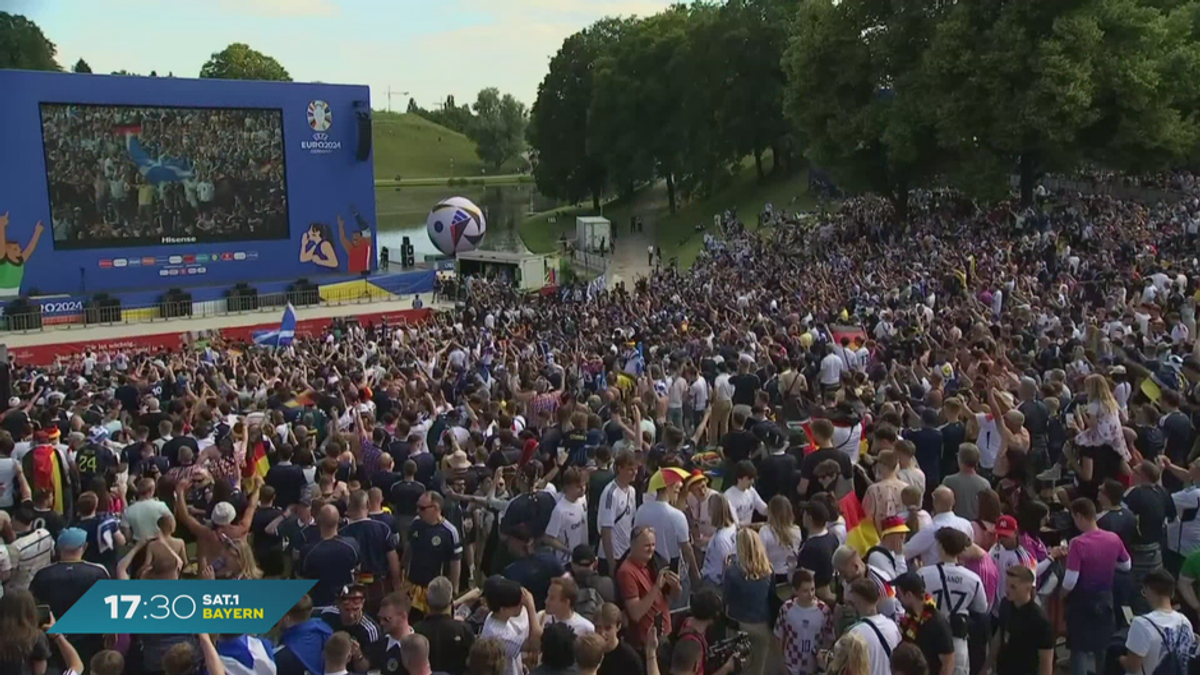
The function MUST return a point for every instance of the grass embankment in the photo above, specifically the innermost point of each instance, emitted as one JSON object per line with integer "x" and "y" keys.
{"x": 412, "y": 147}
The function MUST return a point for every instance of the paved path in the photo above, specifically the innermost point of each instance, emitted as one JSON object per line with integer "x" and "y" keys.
{"x": 77, "y": 333}
{"x": 629, "y": 259}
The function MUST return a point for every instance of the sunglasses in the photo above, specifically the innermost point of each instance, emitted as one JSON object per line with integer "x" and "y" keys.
{"x": 422, "y": 508}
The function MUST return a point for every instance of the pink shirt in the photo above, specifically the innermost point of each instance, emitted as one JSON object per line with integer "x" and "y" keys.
{"x": 1094, "y": 555}
{"x": 985, "y": 567}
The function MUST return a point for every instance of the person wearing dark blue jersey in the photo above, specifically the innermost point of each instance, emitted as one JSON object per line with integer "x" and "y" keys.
{"x": 434, "y": 549}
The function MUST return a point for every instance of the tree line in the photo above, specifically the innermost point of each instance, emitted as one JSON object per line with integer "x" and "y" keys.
{"x": 495, "y": 123}
{"x": 884, "y": 95}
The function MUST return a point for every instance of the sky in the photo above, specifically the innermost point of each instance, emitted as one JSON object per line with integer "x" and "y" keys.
{"x": 429, "y": 48}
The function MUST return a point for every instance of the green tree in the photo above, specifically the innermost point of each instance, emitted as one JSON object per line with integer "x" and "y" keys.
{"x": 558, "y": 129}
{"x": 1035, "y": 86}
{"x": 81, "y": 66}
{"x": 23, "y": 46}
{"x": 498, "y": 128}
{"x": 639, "y": 86}
{"x": 239, "y": 62}
{"x": 413, "y": 108}
{"x": 858, "y": 93}
{"x": 126, "y": 73}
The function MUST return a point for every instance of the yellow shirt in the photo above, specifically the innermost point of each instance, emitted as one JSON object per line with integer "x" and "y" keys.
{"x": 146, "y": 194}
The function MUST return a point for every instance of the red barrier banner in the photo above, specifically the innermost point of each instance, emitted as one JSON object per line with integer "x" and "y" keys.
{"x": 42, "y": 355}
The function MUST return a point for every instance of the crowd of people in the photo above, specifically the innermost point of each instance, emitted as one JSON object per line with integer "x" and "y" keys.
{"x": 122, "y": 174}
{"x": 963, "y": 446}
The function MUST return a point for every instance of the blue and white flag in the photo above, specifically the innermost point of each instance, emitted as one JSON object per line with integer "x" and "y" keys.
{"x": 161, "y": 169}
{"x": 282, "y": 336}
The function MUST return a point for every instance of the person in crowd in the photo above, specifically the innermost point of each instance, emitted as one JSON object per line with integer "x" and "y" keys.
{"x": 804, "y": 626}
{"x": 817, "y": 551}
{"x": 851, "y": 655}
{"x": 967, "y": 483}
{"x": 1153, "y": 508}
{"x": 595, "y": 589}
{"x": 1162, "y": 634}
{"x": 435, "y": 549}
{"x": 1092, "y": 560}
{"x": 302, "y": 640}
{"x": 414, "y": 655}
{"x": 512, "y": 621}
{"x": 1024, "y": 638}
{"x": 645, "y": 588}
{"x": 958, "y": 592}
{"x": 880, "y": 633}
{"x": 908, "y": 660}
{"x": 672, "y": 535}
{"x": 560, "y": 607}
{"x": 31, "y": 551}
{"x": 781, "y": 538}
{"x": 386, "y": 652}
{"x": 747, "y": 586}
{"x": 723, "y": 543}
{"x": 349, "y": 617}
{"x": 742, "y": 497}
{"x": 332, "y": 560}
{"x": 923, "y": 545}
{"x": 618, "y": 503}
{"x": 924, "y": 625}
{"x": 450, "y": 639}
{"x": 557, "y": 650}
{"x": 379, "y": 565}
{"x": 620, "y": 658}
{"x": 60, "y": 585}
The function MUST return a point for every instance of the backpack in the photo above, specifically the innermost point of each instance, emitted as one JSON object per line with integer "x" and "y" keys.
{"x": 529, "y": 514}
{"x": 589, "y": 603}
{"x": 1169, "y": 662}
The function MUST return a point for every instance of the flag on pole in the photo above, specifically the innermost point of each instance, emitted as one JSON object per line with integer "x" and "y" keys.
{"x": 860, "y": 530}
{"x": 282, "y": 336}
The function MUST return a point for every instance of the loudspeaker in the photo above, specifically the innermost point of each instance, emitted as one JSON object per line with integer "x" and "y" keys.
{"x": 102, "y": 308}
{"x": 21, "y": 314}
{"x": 384, "y": 256}
{"x": 242, "y": 298}
{"x": 303, "y": 293}
{"x": 363, "y": 153}
{"x": 175, "y": 303}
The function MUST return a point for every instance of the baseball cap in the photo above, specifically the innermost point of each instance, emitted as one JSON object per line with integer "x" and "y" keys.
{"x": 583, "y": 554}
{"x": 223, "y": 513}
{"x": 1006, "y": 526}
{"x": 893, "y": 525}
{"x": 72, "y": 538}
{"x": 666, "y": 476}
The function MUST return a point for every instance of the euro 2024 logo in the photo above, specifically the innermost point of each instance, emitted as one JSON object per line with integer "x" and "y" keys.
{"x": 320, "y": 118}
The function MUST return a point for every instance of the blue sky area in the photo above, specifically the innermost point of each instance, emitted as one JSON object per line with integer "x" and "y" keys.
{"x": 429, "y": 48}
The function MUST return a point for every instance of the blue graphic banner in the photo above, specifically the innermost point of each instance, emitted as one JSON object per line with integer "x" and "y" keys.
{"x": 181, "y": 606}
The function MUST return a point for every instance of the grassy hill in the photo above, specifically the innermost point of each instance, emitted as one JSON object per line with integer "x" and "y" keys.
{"x": 410, "y": 146}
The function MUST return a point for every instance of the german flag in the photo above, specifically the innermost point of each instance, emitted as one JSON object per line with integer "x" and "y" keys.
{"x": 860, "y": 530}
{"x": 257, "y": 463}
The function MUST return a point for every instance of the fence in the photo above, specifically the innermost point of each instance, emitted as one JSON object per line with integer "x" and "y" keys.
{"x": 35, "y": 315}
{"x": 594, "y": 263}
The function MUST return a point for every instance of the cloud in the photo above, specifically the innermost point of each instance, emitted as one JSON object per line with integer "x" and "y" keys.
{"x": 280, "y": 8}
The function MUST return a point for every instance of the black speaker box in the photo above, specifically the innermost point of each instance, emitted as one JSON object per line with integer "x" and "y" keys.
{"x": 363, "y": 152}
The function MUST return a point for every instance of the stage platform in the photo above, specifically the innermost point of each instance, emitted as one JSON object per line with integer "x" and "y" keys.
{"x": 43, "y": 347}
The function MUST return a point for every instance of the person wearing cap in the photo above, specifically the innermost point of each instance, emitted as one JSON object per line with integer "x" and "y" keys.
{"x": 673, "y": 539}
{"x": 450, "y": 640}
{"x": 1008, "y": 551}
{"x": 61, "y": 584}
{"x": 889, "y": 554}
{"x": 212, "y": 541}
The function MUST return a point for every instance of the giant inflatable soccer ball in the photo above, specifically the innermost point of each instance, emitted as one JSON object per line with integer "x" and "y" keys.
{"x": 456, "y": 225}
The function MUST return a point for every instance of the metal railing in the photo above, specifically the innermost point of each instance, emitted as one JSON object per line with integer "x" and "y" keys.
{"x": 51, "y": 314}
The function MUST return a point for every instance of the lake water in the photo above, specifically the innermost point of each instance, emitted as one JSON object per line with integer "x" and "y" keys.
{"x": 402, "y": 213}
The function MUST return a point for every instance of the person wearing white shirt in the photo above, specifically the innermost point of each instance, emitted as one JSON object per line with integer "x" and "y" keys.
{"x": 923, "y": 545}
{"x": 698, "y": 398}
{"x": 988, "y": 441}
{"x": 879, "y": 632}
{"x": 673, "y": 539}
{"x": 718, "y": 421}
{"x": 832, "y": 366}
{"x": 742, "y": 497}
{"x": 676, "y": 392}
{"x": 723, "y": 543}
{"x": 560, "y": 607}
{"x": 957, "y": 591}
{"x": 781, "y": 538}
{"x": 568, "y": 522}
{"x": 617, "y": 504}
{"x": 1161, "y": 631}
{"x": 512, "y": 621}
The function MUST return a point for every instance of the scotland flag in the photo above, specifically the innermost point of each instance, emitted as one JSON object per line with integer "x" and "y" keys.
{"x": 283, "y": 335}
{"x": 164, "y": 169}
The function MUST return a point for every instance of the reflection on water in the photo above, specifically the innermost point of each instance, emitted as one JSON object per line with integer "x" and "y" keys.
{"x": 402, "y": 214}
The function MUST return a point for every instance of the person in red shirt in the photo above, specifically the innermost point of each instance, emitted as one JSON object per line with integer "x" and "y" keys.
{"x": 645, "y": 588}
{"x": 358, "y": 249}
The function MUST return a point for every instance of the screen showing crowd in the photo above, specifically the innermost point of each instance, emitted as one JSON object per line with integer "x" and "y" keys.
{"x": 140, "y": 176}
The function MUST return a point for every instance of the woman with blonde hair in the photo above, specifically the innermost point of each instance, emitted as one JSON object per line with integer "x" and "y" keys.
{"x": 747, "y": 588}
{"x": 1100, "y": 441}
{"x": 849, "y": 656}
{"x": 724, "y": 540}
{"x": 781, "y": 538}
